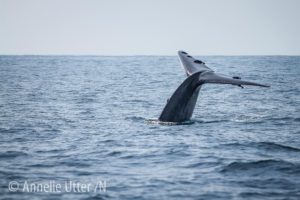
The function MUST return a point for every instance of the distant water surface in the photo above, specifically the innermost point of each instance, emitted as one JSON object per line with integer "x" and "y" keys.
{"x": 86, "y": 118}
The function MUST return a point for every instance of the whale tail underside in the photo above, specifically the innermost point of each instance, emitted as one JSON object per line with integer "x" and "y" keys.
{"x": 211, "y": 77}
{"x": 180, "y": 106}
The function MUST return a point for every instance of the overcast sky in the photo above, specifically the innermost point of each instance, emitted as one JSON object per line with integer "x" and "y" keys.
{"x": 153, "y": 27}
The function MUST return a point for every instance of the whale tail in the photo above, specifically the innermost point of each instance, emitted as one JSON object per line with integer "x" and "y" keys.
{"x": 180, "y": 106}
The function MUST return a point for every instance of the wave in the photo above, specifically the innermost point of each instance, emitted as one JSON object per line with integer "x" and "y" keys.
{"x": 203, "y": 164}
{"x": 262, "y": 166}
{"x": 273, "y": 182}
{"x": 269, "y": 195}
{"x": 211, "y": 121}
{"x": 156, "y": 121}
{"x": 114, "y": 153}
{"x": 270, "y": 146}
{"x": 297, "y": 119}
{"x": 252, "y": 120}
{"x": 275, "y": 146}
{"x": 12, "y": 154}
{"x": 189, "y": 122}
{"x": 40, "y": 165}
{"x": 135, "y": 118}
{"x": 71, "y": 163}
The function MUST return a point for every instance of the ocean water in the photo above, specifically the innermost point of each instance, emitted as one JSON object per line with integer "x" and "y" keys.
{"x": 91, "y": 120}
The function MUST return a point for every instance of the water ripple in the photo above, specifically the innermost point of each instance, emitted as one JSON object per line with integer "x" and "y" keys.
{"x": 85, "y": 118}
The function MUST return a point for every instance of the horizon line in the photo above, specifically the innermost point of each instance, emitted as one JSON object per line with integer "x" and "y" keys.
{"x": 133, "y": 55}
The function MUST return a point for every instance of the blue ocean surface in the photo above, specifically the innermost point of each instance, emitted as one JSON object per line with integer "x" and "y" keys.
{"x": 92, "y": 119}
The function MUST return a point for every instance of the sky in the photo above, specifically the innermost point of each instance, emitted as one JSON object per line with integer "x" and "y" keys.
{"x": 153, "y": 27}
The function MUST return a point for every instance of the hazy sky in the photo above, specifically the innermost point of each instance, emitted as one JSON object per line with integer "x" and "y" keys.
{"x": 153, "y": 27}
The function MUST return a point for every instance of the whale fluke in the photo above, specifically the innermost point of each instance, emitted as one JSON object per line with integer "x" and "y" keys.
{"x": 180, "y": 106}
{"x": 211, "y": 77}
